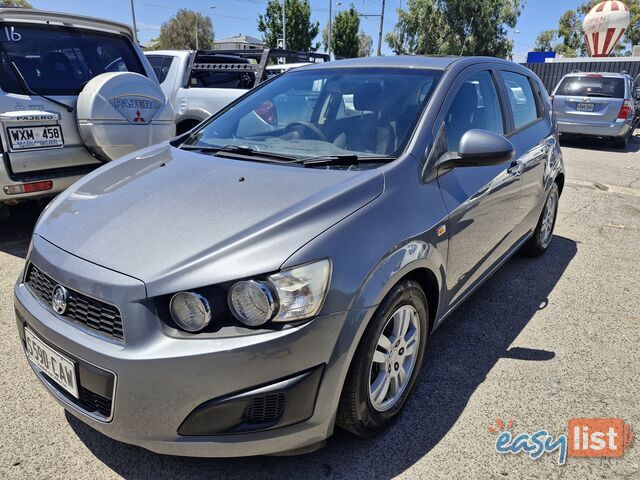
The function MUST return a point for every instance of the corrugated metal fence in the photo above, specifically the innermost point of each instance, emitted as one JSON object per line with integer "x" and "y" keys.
{"x": 551, "y": 73}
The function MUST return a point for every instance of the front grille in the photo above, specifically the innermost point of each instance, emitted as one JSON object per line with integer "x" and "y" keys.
{"x": 267, "y": 408}
{"x": 94, "y": 403}
{"x": 92, "y": 313}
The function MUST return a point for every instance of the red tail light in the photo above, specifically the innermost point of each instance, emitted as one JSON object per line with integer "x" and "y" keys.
{"x": 625, "y": 110}
{"x": 28, "y": 187}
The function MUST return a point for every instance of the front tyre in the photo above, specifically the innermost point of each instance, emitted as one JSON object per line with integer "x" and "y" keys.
{"x": 386, "y": 363}
{"x": 543, "y": 233}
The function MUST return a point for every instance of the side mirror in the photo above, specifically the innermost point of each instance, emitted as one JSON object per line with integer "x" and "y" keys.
{"x": 479, "y": 148}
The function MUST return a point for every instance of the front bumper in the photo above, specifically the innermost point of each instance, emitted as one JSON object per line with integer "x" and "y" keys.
{"x": 618, "y": 128}
{"x": 160, "y": 380}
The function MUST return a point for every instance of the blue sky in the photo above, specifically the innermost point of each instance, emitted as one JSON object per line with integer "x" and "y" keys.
{"x": 231, "y": 17}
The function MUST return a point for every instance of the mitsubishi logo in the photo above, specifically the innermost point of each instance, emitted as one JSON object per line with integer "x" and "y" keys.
{"x": 59, "y": 299}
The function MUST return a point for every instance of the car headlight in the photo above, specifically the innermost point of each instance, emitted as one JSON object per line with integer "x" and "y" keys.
{"x": 190, "y": 311}
{"x": 293, "y": 294}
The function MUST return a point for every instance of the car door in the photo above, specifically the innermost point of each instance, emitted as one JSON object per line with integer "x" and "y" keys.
{"x": 534, "y": 140}
{"x": 482, "y": 200}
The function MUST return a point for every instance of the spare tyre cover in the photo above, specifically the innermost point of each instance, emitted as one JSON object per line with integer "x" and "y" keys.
{"x": 121, "y": 112}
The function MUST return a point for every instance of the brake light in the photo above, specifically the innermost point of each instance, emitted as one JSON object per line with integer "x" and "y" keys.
{"x": 594, "y": 75}
{"x": 28, "y": 187}
{"x": 625, "y": 110}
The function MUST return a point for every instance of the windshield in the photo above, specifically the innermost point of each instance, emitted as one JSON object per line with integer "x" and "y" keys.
{"x": 592, "y": 86}
{"x": 368, "y": 112}
{"x": 61, "y": 60}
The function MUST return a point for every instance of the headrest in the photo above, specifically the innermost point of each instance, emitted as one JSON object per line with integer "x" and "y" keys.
{"x": 367, "y": 97}
{"x": 467, "y": 97}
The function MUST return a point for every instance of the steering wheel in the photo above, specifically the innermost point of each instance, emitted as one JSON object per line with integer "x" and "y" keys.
{"x": 306, "y": 127}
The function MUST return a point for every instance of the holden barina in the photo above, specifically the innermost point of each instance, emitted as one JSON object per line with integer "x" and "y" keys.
{"x": 278, "y": 270}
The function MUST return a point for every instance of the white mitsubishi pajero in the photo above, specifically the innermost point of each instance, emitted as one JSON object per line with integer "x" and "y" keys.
{"x": 74, "y": 92}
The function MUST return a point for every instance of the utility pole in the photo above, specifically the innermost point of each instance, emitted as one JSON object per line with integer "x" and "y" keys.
{"x": 380, "y": 31}
{"x": 284, "y": 25}
{"x": 198, "y": 15}
{"x": 135, "y": 27}
{"x": 330, "y": 29}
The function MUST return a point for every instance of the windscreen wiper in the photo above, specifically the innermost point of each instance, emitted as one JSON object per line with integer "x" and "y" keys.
{"x": 240, "y": 151}
{"x": 343, "y": 160}
{"x": 26, "y": 86}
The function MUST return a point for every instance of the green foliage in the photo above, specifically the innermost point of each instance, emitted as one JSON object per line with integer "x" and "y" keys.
{"x": 178, "y": 33}
{"x": 345, "y": 42}
{"x": 301, "y": 31}
{"x": 421, "y": 29}
{"x": 545, "y": 42}
{"x": 16, "y": 3}
{"x": 365, "y": 44}
{"x": 456, "y": 27}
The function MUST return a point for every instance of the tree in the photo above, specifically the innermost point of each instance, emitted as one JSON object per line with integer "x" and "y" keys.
{"x": 345, "y": 42}
{"x": 16, "y": 3}
{"x": 365, "y": 46}
{"x": 178, "y": 33}
{"x": 481, "y": 28}
{"x": 570, "y": 31}
{"x": 301, "y": 31}
{"x": 421, "y": 29}
{"x": 545, "y": 42}
{"x": 456, "y": 27}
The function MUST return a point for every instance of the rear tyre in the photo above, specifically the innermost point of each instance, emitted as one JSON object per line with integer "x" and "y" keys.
{"x": 185, "y": 126}
{"x": 543, "y": 232}
{"x": 5, "y": 213}
{"x": 386, "y": 363}
{"x": 621, "y": 142}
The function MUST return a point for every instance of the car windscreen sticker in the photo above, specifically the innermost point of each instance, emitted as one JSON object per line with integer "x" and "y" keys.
{"x": 138, "y": 110}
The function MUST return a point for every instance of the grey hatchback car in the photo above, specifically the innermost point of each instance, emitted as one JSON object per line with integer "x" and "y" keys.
{"x": 279, "y": 269}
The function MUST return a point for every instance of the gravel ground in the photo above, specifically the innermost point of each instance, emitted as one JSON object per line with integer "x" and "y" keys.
{"x": 543, "y": 341}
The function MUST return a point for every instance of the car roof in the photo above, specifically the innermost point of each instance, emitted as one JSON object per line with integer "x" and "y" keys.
{"x": 45, "y": 17}
{"x": 406, "y": 61}
{"x": 601, "y": 74}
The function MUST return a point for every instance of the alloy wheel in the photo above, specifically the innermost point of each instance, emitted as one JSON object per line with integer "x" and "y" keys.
{"x": 394, "y": 358}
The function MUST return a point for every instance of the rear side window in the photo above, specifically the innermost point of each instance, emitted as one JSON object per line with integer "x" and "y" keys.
{"x": 592, "y": 86}
{"x": 58, "y": 60}
{"x": 475, "y": 105}
{"x": 161, "y": 66}
{"x": 521, "y": 98}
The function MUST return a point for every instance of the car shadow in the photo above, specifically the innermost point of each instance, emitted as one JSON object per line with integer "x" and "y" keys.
{"x": 600, "y": 144}
{"x": 16, "y": 230}
{"x": 460, "y": 355}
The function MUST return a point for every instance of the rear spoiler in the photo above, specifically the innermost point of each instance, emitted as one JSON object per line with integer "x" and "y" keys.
{"x": 65, "y": 19}
{"x": 254, "y": 60}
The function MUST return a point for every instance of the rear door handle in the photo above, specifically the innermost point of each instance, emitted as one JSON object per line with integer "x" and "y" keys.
{"x": 516, "y": 168}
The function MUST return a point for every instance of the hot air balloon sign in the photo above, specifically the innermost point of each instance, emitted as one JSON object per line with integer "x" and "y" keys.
{"x": 604, "y": 26}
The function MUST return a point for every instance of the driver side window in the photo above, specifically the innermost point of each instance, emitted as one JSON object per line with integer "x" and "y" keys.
{"x": 475, "y": 105}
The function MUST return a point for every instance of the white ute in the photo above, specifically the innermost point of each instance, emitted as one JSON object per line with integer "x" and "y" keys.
{"x": 75, "y": 92}
{"x": 201, "y": 83}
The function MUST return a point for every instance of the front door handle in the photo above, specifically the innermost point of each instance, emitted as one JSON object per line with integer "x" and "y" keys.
{"x": 516, "y": 168}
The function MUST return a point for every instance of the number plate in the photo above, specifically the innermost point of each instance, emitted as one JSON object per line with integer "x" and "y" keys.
{"x": 585, "y": 107}
{"x": 28, "y": 138}
{"x": 57, "y": 367}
